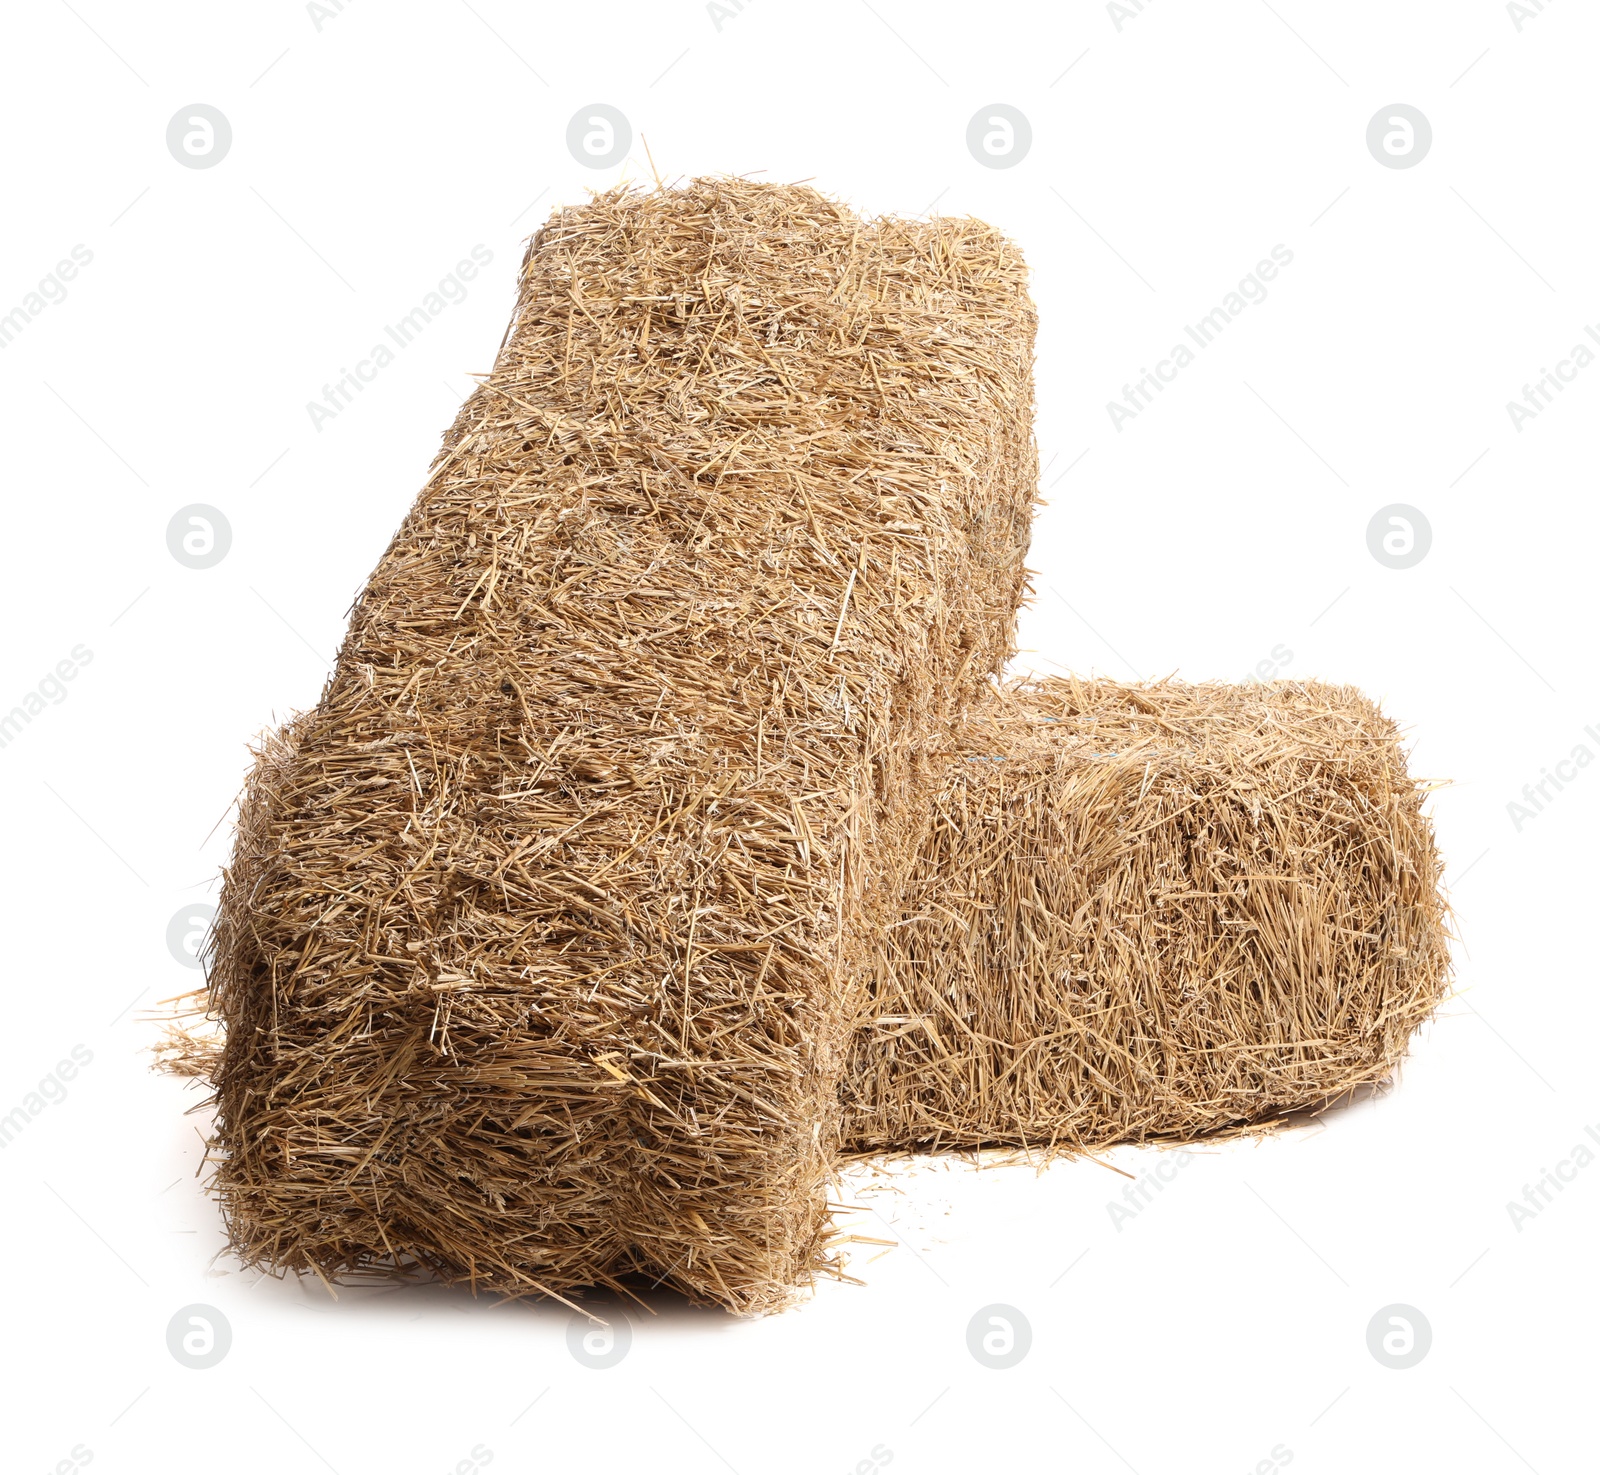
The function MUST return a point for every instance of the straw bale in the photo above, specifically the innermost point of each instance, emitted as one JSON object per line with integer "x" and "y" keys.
{"x": 541, "y": 942}
{"x": 1152, "y": 912}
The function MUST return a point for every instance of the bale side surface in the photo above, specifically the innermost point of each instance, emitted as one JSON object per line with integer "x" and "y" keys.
{"x": 1152, "y": 912}
{"x": 537, "y": 949}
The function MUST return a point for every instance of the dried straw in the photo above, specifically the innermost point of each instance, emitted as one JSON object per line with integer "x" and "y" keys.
{"x": 660, "y": 833}
{"x": 1146, "y": 913}
{"x": 540, "y": 946}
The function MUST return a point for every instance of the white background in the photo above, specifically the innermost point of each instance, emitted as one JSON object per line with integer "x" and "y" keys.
{"x": 1169, "y": 156}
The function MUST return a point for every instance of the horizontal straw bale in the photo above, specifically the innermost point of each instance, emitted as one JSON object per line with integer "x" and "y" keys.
{"x": 539, "y": 949}
{"x": 1156, "y": 912}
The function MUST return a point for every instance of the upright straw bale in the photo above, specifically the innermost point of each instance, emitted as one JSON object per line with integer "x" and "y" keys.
{"x": 1155, "y": 912}
{"x": 538, "y": 951}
